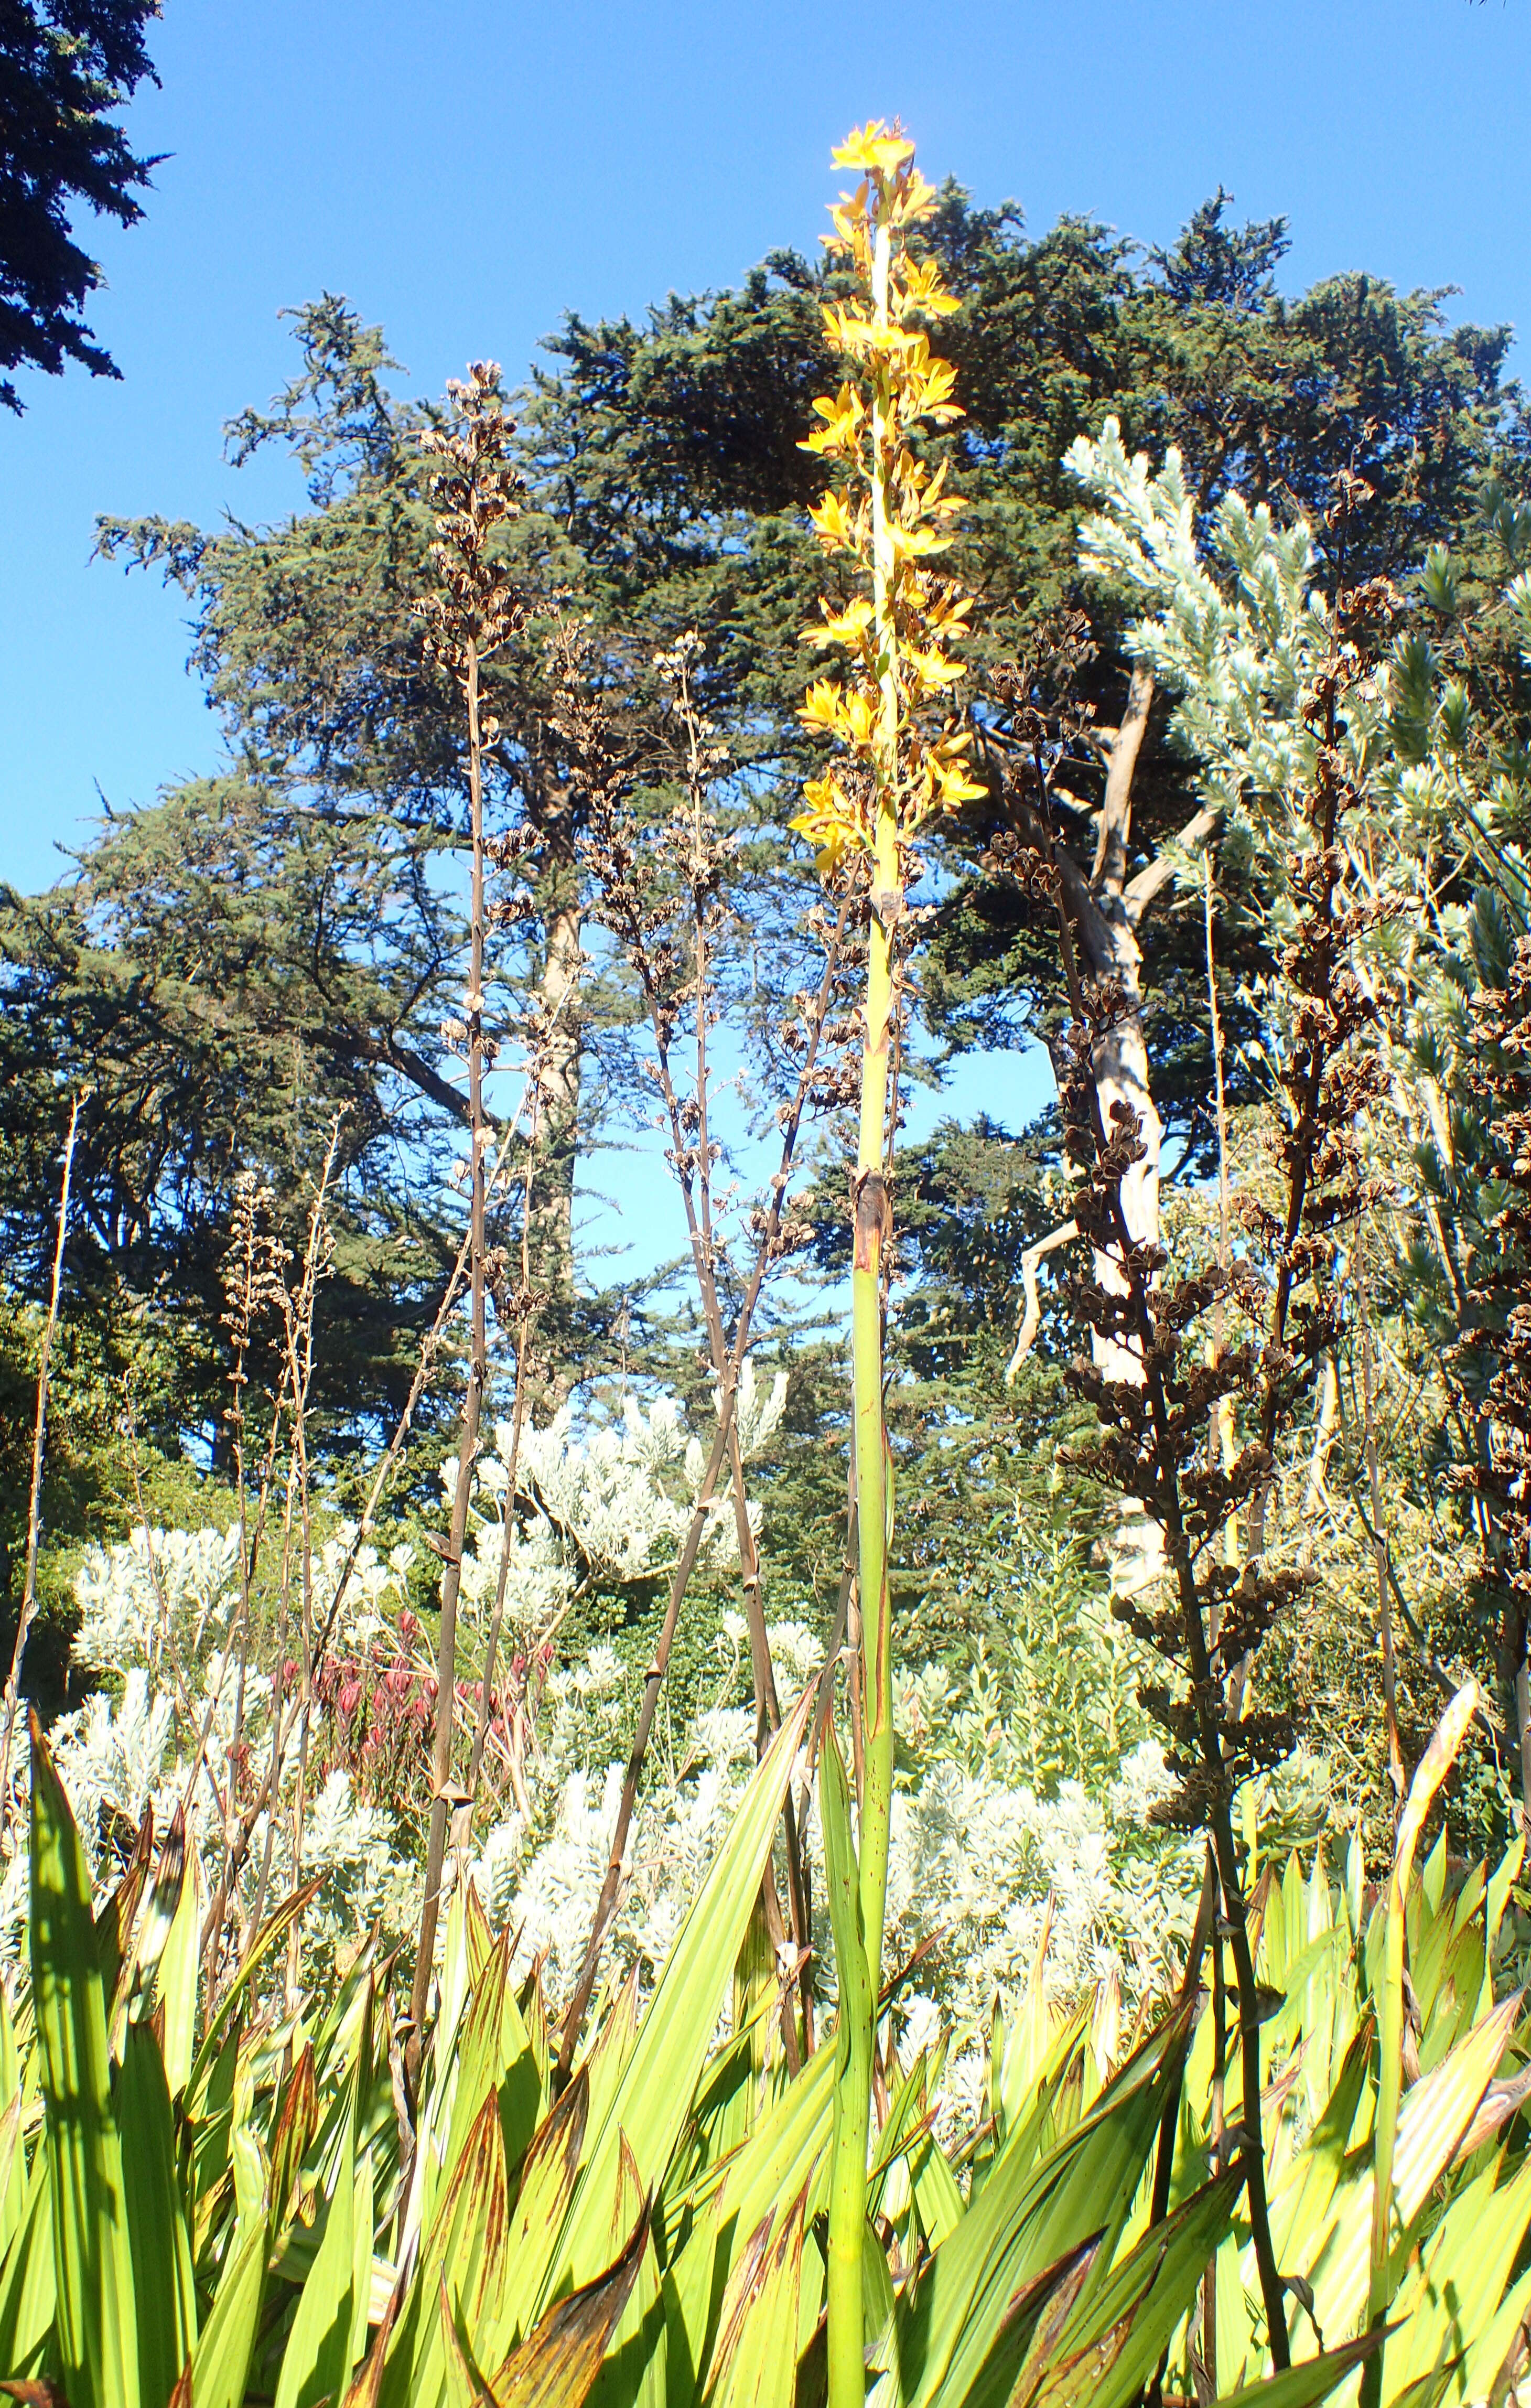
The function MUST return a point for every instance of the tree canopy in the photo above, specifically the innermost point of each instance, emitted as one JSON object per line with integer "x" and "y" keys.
{"x": 65, "y": 67}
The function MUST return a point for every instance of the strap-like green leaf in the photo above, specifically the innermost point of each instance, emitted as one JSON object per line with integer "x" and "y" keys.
{"x": 1028, "y": 2350}
{"x": 12, "y": 2170}
{"x": 1299, "y": 2206}
{"x": 1436, "y": 2114}
{"x": 329, "y": 2329}
{"x": 557, "y": 2363}
{"x": 162, "y": 2255}
{"x": 1030, "y": 2216}
{"x": 754, "y": 2363}
{"x": 176, "y": 1979}
{"x": 659, "y": 2080}
{"x": 547, "y": 2185}
{"x": 114, "y": 1927}
{"x": 97, "y": 2321}
{"x": 221, "y": 2363}
{"x": 493, "y": 2053}
{"x": 1305, "y": 2386}
{"x": 852, "y": 2313}
{"x": 28, "y": 2294}
{"x": 1105, "y": 2357}
{"x": 470, "y": 2250}
{"x": 274, "y": 1929}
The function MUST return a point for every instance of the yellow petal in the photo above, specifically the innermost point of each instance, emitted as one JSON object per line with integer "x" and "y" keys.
{"x": 871, "y": 150}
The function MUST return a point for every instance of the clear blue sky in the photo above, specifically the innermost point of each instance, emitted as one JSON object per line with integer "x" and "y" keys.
{"x": 466, "y": 171}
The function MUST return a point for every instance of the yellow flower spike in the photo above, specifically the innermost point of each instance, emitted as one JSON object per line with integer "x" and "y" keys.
{"x": 891, "y": 711}
{"x": 888, "y": 510}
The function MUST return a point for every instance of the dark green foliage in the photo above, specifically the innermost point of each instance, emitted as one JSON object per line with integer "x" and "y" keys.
{"x": 980, "y": 1490}
{"x": 226, "y": 975}
{"x": 98, "y": 1464}
{"x": 65, "y": 66}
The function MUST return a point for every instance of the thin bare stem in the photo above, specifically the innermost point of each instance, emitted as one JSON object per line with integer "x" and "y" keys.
{"x": 446, "y": 1674}
{"x": 1397, "y": 1782}
{"x": 285, "y": 1721}
{"x": 727, "y": 1396}
{"x": 40, "y": 1449}
{"x": 1218, "y": 1088}
{"x": 298, "y": 1333}
{"x": 525, "y": 1317}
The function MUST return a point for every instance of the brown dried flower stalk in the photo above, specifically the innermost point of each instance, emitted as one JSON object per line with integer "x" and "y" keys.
{"x": 473, "y": 612}
{"x": 1214, "y": 1612}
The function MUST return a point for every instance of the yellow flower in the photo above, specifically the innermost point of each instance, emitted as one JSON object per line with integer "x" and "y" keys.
{"x": 916, "y": 543}
{"x": 846, "y": 627}
{"x": 872, "y": 151}
{"x": 822, "y": 706}
{"x": 932, "y": 670}
{"x": 924, "y": 290}
{"x": 830, "y": 522}
{"x": 842, "y": 413}
{"x": 829, "y": 823}
{"x": 856, "y": 718}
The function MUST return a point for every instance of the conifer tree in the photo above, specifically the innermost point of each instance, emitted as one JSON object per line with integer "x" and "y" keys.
{"x": 65, "y": 66}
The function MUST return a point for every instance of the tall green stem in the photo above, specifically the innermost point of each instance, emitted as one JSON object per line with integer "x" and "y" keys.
{"x": 873, "y": 1211}
{"x": 892, "y": 714}
{"x": 872, "y": 1225}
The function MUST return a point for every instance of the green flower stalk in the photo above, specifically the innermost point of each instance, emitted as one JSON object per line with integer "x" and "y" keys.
{"x": 887, "y": 514}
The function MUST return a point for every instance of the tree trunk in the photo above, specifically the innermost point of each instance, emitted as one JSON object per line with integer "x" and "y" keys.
{"x": 558, "y": 996}
{"x": 1122, "y": 1076}
{"x": 1110, "y": 945}
{"x": 557, "y": 1010}
{"x": 1121, "y": 1063}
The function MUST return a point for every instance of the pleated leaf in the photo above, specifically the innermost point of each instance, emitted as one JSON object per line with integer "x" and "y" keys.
{"x": 754, "y": 2363}
{"x": 1028, "y": 2217}
{"x": 162, "y": 2255}
{"x": 659, "y": 2081}
{"x": 221, "y": 2362}
{"x": 96, "y": 2318}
